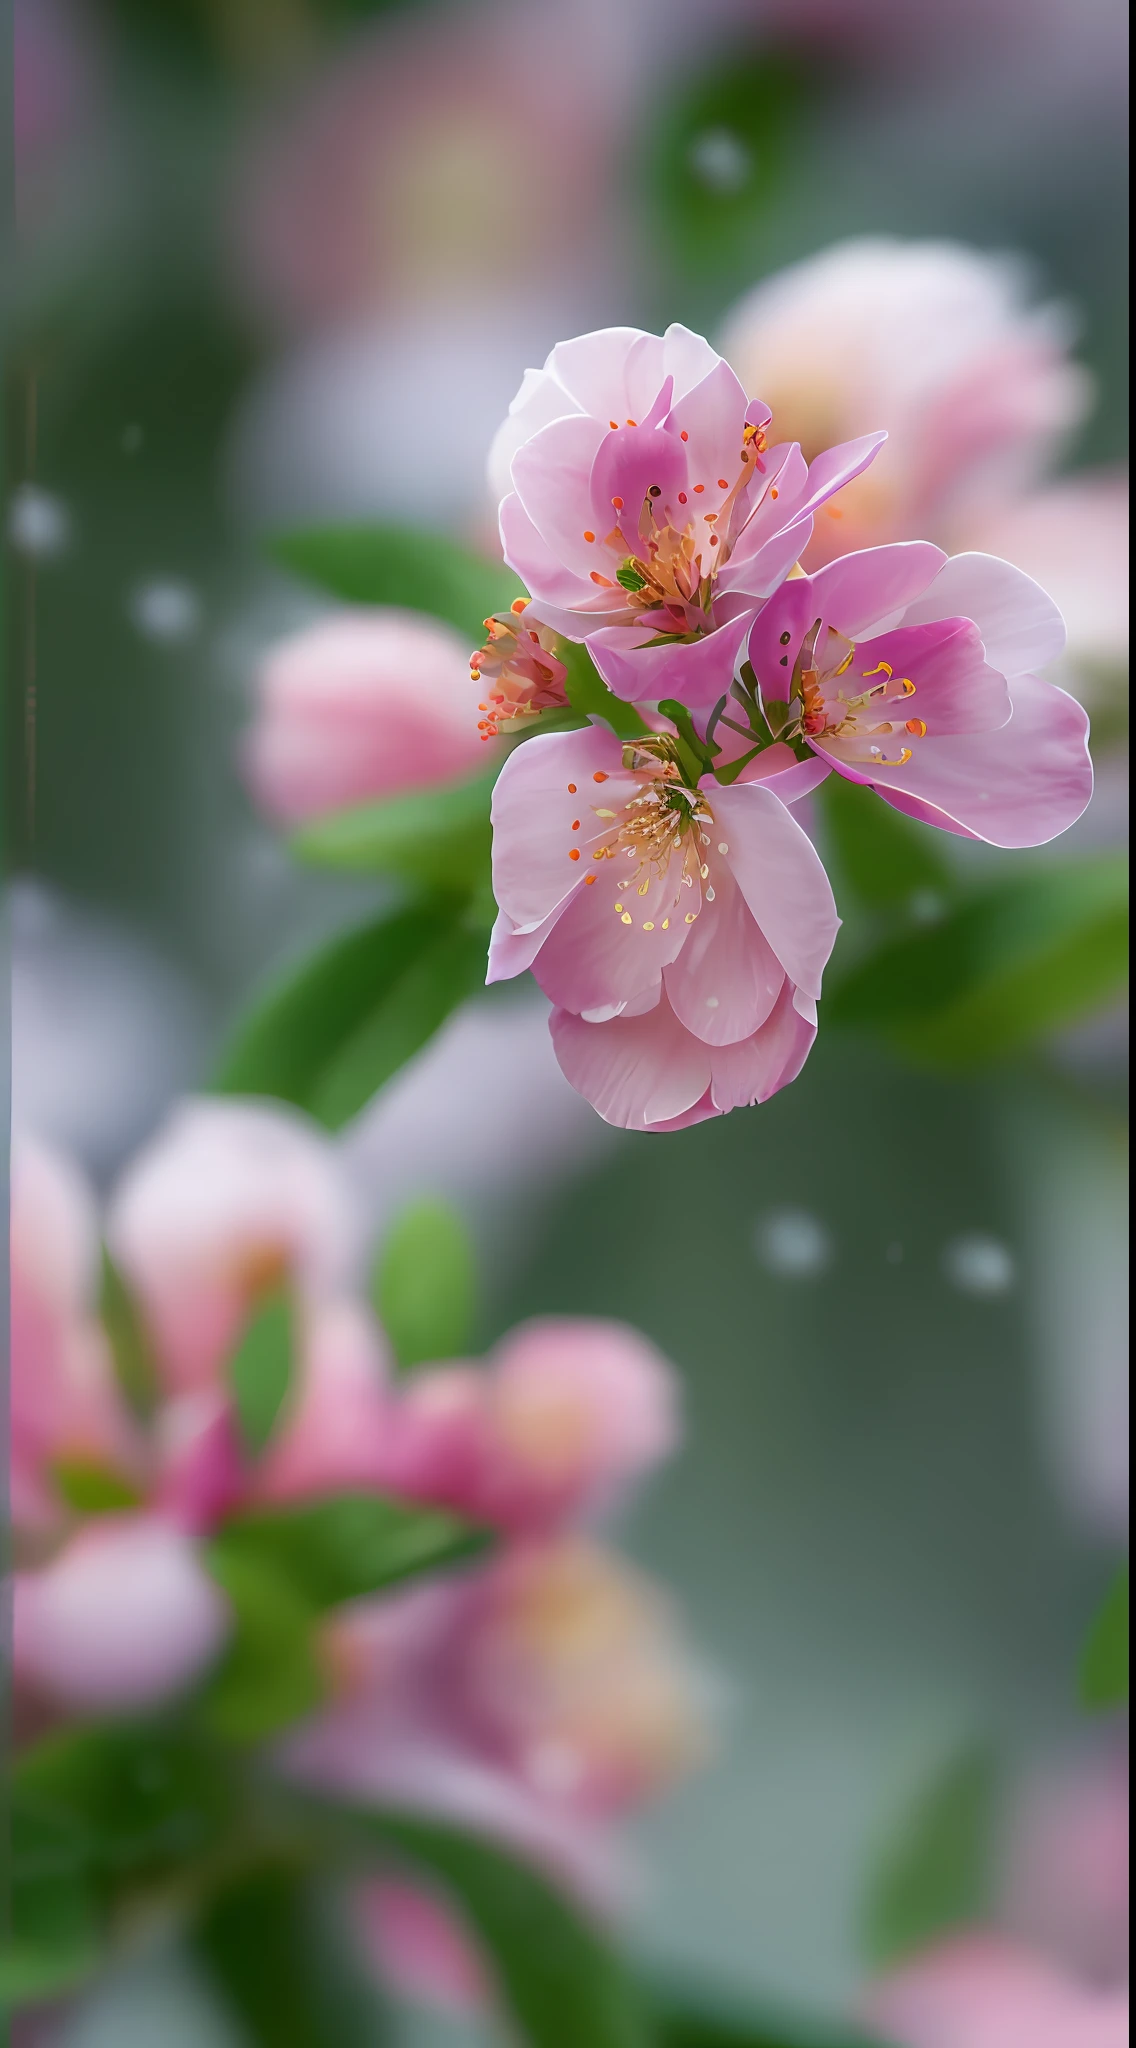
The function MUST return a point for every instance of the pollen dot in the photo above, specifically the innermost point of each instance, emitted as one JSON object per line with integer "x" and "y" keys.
{"x": 619, "y": 906}
{"x": 722, "y": 484}
{"x": 917, "y": 726}
{"x": 571, "y": 789}
{"x": 774, "y": 492}
{"x": 666, "y": 924}
{"x": 587, "y": 535}
{"x": 713, "y": 540}
{"x": 613, "y": 423}
{"x": 626, "y": 918}
{"x": 711, "y": 1002}
{"x": 631, "y": 423}
{"x": 690, "y": 916}
{"x": 599, "y": 775}
{"x": 785, "y": 639}
{"x": 648, "y": 927}
{"x": 723, "y": 846}
{"x": 834, "y": 512}
{"x": 700, "y": 487}
{"x": 575, "y": 824}
{"x": 618, "y": 503}
{"x": 684, "y": 436}
{"x": 682, "y": 497}
{"x": 573, "y": 853}
{"x": 588, "y": 880}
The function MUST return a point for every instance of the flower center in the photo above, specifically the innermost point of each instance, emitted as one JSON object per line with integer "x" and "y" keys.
{"x": 659, "y": 839}
{"x": 832, "y": 707}
{"x": 520, "y": 671}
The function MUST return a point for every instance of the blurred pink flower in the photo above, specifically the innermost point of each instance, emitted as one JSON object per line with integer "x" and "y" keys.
{"x": 685, "y": 983}
{"x": 418, "y": 1946}
{"x": 330, "y": 1435}
{"x": 979, "y": 1991}
{"x": 1072, "y": 538}
{"x": 643, "y": 507}
{"x": 229, "y": 1199}
{"x": 65, "y": 1407}
{"x": 122, "y": 1618}
{"x": 937, "y": 343}
{"x": 1064, "y": 1877}
{"x": 360, "y": 705}
{"x": 913, "y": 673}
{"x": 562, "y": 1418}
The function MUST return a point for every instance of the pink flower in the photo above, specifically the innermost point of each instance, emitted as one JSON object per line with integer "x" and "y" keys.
{"x": 680, "y": 927}
{"x": 979, "y": 1991}
{"x": 933, "y": 340}
{"x": 560, "y": 1420}
{"x": 360, "y": 705}
{"x": 915, "y": 674}
{"x": 644, "y": 511}
{"x": 520, "y": 670}
{"x": 419, "y": 1947}
{"x": 1072, "y": 538}
{"x": 121, "y": 1619}
{"x": 330, "y": 1436}
{"x": 65, "y": 1406}
{"x": 229, "y": 1199}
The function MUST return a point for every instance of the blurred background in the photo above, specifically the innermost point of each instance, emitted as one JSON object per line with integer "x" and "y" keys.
{"x": 282, "y": 262}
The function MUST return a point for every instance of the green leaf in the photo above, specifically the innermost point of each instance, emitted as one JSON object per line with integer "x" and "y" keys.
{"x": 936, "y": 1875}
{"x": 560, "y": 1982}
{"x": 327, "y": 1551}
{"x": 134, "y": 1362}
{"x": 687, "y": 2015}
{"x": 590, "y": 697}
{"x": 1000, "y": 971}
{"x": 883, "y": 858}
{"x": 93, "y": 1489}
{"x": 260, "y": 1369}
{"x": 400, "y": 565}
{"x": 425, "y": 1284}
{"x": 279, "y": 1955}
{"x": 440, "y": 979}
{"x": 270, "y": 1674}
{"x": 435, "y": 837}
{"x": 1104, "y": 1662}
{"x": 53, "y": 1937}
{"x": 313, "y": 1018}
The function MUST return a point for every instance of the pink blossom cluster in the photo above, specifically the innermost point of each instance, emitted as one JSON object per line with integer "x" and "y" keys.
{"x": 661, "y": 890}
{"x": 538, "y": 1694}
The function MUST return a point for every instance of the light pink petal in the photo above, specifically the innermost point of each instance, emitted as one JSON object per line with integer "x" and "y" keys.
{"x": 538, "y": 566}
{"x": 540, "y": 400}
{"x": 697, "y": 673}
{"x": 955, "y": 690}
{"x": 534, "y": 810}
{"x": 638, "y": 1072}
{"x": 1021, "y": 627}
{"x": 687, "y": 357}
{"x": 758, "y": 574}
{"x": 713, "y": 416}
{"x": 1019, "y": 786}
{"x": 755, "y": 1069}
{"x": 980, "y": 1991}
{"x": 610, "y": 944}
{"x": 781, "y": 877}
{"x": 552, "y": 477}
{"x": 122, "y": 1619}
{"x": 789, "y": 779}
{"x": 858, "y": 593}
{"x": 512, "y": 952}
{"x": 612, "y": 373}
{"x": 832, "y": 470}
{"x": 726, "y": 979}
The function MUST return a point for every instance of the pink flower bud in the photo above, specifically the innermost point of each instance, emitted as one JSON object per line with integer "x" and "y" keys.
{"x": 980, "y": 1991}
{"x": 361, "y": 705}
{"x": 330, "y": 1436}
{"x": 419, "y": 1947}
{"x": 123, "y": 1618}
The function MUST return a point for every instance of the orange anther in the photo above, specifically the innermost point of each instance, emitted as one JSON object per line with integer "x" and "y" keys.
{"x": 573, "y": 853}
{"x": 588, "y": 880}
{"x": 917, "y": 726}
{"x": 518, "y": 604}
{"x": 722, "y": 484}
{"x": 700, "y": 487}
{"x": 618, "y": 503}
{"x": 599, "y": 775}
{"x": 588, "y": 536}
{"x": 571, "y": 789}
{"x": 774, "y": 492}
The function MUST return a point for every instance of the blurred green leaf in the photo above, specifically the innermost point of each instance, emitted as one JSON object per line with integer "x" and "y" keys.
{"x": 53, "y": 1936}
{"x": 400, "y": 565}
{"x": 560, "y": 1982}
{"x": 1104, "y": 1662}
{"x": 270, "y": 1674}
{"x": 399, "y": 1025}
{"x": 435, "y": 837}
{"x": 425, "y": 1284}
{"x": 337, "y": 1549}
{"x": 283, "y": 1963}
{"x": 134, "y": 1363}
{"x": 260, "y": 1369}
{"x": 93, "y": 1489}
{"x": 306, "y": 1038}
{"x": 936, "y": 1875}
{"x": 883, "y": 858}
{"x": 686, "y": 2015}
{"x": 1000, "y": 971}
{"x": 589, "y": 695}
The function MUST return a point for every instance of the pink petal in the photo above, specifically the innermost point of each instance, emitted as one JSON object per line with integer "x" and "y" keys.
{"x": 540, "y": 568}
{"x": 637, "y": 1072}
{"x": 533, "y": 812}
{"x": 781, "y": 877}
{"x": 755, "y": 1069}
{"x": 552, "y": 477}
{"x": 613, "y": 372}
{"x": 713, "y": 416}
{"x": 593, "y": 959}
{"x": 512, "y": 952}
{"x": 1021, "y": 627}
{"x": 858, "y": 593}
{"x": 832, "y": 470}
{"x": 955, "y": 690}
{"x": 726, "y": 979}
{"x": 697, "y": 672}
{"x": 980, "y": 1991}
{"x": 1019, "y": 786}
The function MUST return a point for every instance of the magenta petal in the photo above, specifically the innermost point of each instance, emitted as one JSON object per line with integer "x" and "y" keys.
{"x": 638, "y": 1072}
{"x": 1021, "y": 627}
{"x": 859, "y": 593}
{"x": 955, "y": 690}
{"x": 1019, "y": 786}
{"x": 835, "y": 468}
{"x": 781, "y": 877}
{"x": 697, "y": 672}
{"x": 533, "y": 812}
{"x": 727, "y": 978}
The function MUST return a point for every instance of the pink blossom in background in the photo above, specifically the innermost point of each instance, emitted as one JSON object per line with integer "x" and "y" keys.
{"x": 980, "y": 1991}
{"x": 228, "y": 1199}
{"x": 329, "y": 1437}
{"x": 419, "y": 1947}
{"x": 933, "y": 340}
{"x": 914, "y": 673}
{"x": 681, "y": 932}
{"x": 359, "y": 705}
{"x": 65, "y": 1407}
{"x": 1072, "y": 538}
{"x": 1063, "y": 1881}
{"x": 122, "y": 1618}
{"x": 641, "y": 504}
